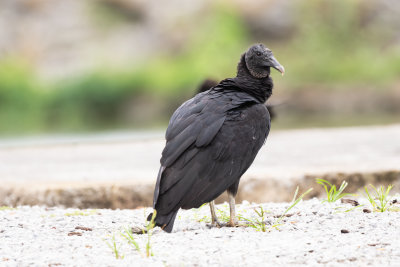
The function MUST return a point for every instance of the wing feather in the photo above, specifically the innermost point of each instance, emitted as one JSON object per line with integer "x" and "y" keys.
{"x": 210, "y": 144}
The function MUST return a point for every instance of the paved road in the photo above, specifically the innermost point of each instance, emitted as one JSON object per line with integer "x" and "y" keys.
{"x": 133, "y": 158}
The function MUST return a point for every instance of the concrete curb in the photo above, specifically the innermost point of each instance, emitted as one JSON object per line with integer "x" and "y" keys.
{"x": 136, "y": 195}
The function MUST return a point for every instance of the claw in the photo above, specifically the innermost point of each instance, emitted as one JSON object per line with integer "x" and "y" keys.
{"x": 214, "y": 219}
{"x": 233, "y": 223}
{"x": 216, "y": 224}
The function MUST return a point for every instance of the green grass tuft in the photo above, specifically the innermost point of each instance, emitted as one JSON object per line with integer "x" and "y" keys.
{"x": 149, "y": 227}
{"x": 128, "y": 235}
{"x": 379, "y": 198}
{"x": 260, "y": 223}
{"x": 113, "y": 246}
{"x": 332, "y": 193}
{"x": 295, "y": 201}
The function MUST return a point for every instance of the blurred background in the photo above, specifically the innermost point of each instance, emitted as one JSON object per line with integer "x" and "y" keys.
{"x": 96, "y": 65}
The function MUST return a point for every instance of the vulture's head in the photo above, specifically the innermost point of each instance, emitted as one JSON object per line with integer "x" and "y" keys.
{"x": 259, "y": 60}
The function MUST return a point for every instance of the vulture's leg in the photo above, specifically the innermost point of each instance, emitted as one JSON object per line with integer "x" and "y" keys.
{"x": 232, "y": 191}
{"x": 233, "y": 220}
{"x": 214, "y": 219}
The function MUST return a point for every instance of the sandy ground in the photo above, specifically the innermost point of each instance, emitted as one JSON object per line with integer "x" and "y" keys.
{"x": 313, "y": 234}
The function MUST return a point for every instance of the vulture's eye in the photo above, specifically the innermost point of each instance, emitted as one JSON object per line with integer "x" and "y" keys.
{"x": 258, "y": 53}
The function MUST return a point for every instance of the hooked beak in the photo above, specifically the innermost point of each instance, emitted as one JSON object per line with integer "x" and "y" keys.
{"x": 276, "y": 65}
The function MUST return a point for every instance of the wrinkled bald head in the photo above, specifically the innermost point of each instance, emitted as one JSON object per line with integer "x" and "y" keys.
{"x": 259, "y": 59}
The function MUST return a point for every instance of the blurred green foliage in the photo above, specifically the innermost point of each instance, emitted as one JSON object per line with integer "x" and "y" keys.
{"x": 328, "y": 47}
{"x": 333, "y": 47}
{"x": 22, "y": 99}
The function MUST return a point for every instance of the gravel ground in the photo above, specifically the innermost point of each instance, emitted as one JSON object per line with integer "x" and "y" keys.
{"x": 314, "y": 234}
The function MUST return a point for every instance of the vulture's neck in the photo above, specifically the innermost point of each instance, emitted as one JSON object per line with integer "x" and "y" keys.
{"x": 260, "y": 88}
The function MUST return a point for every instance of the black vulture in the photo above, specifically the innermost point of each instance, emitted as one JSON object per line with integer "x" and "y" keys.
{"x": 213, "y": 138}
{"x": 207, "y": 84}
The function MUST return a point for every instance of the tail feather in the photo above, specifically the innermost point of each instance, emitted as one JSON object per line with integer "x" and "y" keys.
{"x": 166, "y": 222}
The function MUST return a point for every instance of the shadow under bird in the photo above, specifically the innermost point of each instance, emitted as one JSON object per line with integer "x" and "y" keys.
{"x": 213, "y": 138}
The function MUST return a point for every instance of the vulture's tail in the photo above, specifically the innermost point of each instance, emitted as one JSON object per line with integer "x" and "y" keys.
{"x": 166, "y": 222}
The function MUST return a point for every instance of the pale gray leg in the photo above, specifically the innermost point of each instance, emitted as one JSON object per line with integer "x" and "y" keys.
{"x": 214, "y": 219}
{"x": 233, "y": 220}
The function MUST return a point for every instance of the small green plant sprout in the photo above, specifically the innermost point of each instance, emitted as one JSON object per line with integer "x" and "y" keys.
{"x": 81, "y": 213}
{"x": 128, "y": 235}
{"x": 259, "y": 223}
{"x": 197, "y": 217}
{"x": 205, "y": 219}
{"x": 149, "y": 227}
{"x": 344, "y": 209}
{"x": 223, "y": 214}
{"x": 379, "y": 199}
{"x": 333, "y": 194}
{"x": 113, "y": 246}
{"x": 130, "y": 238}
{"x": 6, "y": 208}
{"x": 294, "y": 202}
